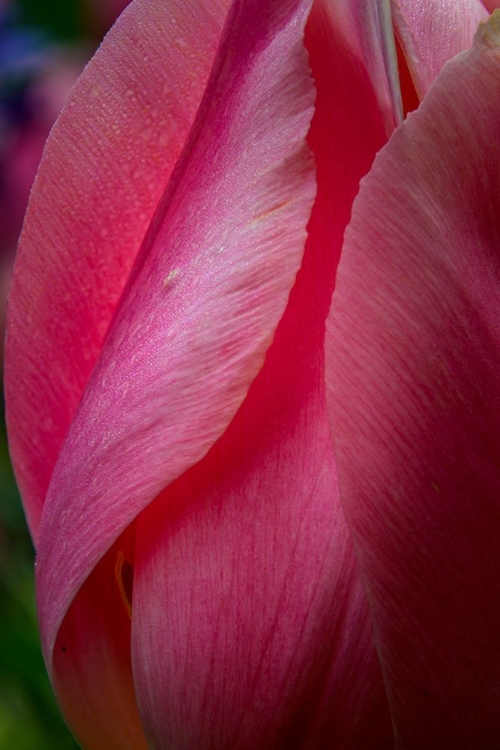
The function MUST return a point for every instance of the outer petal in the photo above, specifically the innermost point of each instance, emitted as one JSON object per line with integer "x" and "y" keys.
{"x": 104, "y": 169}
{"x": 335, "y": 591}
{"x": 431, "y": 33}
{"x": 413, "y": 351}
{"x": 209, "y": 287}
{"x": 249, "y": 626}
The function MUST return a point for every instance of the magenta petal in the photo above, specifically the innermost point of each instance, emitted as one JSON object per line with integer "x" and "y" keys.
{"x": 367, "y": 30}
{"x": 250, "y": 629}
{"x": 432, "y": 32}
{"x": 104, "y": 169}
{"x": 91, "y": 669}
{"x": 413, "y": 351}
{"x": 210, "y": 285}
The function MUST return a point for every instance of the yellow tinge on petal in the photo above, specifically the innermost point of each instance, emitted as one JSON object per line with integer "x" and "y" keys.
{"x": 489, "y": 32}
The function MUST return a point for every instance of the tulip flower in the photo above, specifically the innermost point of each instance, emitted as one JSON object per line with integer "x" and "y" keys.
{"x": 250, "y": 534}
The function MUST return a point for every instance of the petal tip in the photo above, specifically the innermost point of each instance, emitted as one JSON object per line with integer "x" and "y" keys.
{"x": 488, "y": 32}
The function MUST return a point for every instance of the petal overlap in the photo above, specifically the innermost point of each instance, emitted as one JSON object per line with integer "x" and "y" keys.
{"x": 200, "y": 307}
{"x": 250, "y": 627}
{"x": 287, "y": 554}
{"x": 413, "y": 350}
{"x": 103, "y": 172}
{"x": 431, "y": 33}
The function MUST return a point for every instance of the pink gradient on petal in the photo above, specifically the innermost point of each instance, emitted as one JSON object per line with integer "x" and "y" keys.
{"x": 431, "y": 33}
{"x": 250, "y": 628}
{"x": 91, "y": 670}
{"x": 93, "y": 200}
{"x": 200, "y": 309}
{"x": 413, "y": 356}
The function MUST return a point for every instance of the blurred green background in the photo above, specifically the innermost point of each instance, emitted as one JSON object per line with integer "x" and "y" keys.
{"x": 43, "y": 45}
{"x": 29, "y": 718}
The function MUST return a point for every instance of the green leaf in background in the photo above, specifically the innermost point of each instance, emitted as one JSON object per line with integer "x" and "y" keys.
{"x": 29, "y": 717}
{"x": 60, "y": 17}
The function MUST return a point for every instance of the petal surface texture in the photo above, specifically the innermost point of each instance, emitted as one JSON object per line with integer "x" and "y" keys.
{"x": 249, "y": 625}
{"x": 199, "y": 312}
{"x": 431, "y": 33}
{"x": 413, "y": 363}
{"x": 104, "y": 170}
{"x": 201, "y": 306}
{"x": 91, "y": 669}
{"x": 366, "y": 26}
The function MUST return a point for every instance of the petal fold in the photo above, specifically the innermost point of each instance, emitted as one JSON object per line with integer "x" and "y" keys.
{"x": 91, "y": 670}
{"x": 104, "y": 170}
{"x": 249, "y": 625}
{"x": 431, "y": 33}
{"x": 201, "y": 306}
{"x": 413, "y": 362}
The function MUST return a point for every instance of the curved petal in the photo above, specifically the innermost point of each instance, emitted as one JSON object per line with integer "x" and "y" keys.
{"x": 366, "y": 26}
{"x": 249, "y": 626}
{"x": 104, "y": 169}
{"x": 431, "y": 33}
{"x": 91, "y": 670}
{"x": 209, "y": 287}
{"x": 413, "y": 351}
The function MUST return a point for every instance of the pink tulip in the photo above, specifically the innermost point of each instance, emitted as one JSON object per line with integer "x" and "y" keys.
{"x": 240, "y": 546}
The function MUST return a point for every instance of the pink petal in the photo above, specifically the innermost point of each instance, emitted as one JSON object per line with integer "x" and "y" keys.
{"x": 90, "y": 509}
{"x": 104, "y": 170}
{"x": 92, "y": 675}
{"x": 413, "y": 350}
{"x": 249, "y": 627}
{"x": 431, "y": 33}
{"x": 366, "y": 26}
{"x": 209, "y": 287}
